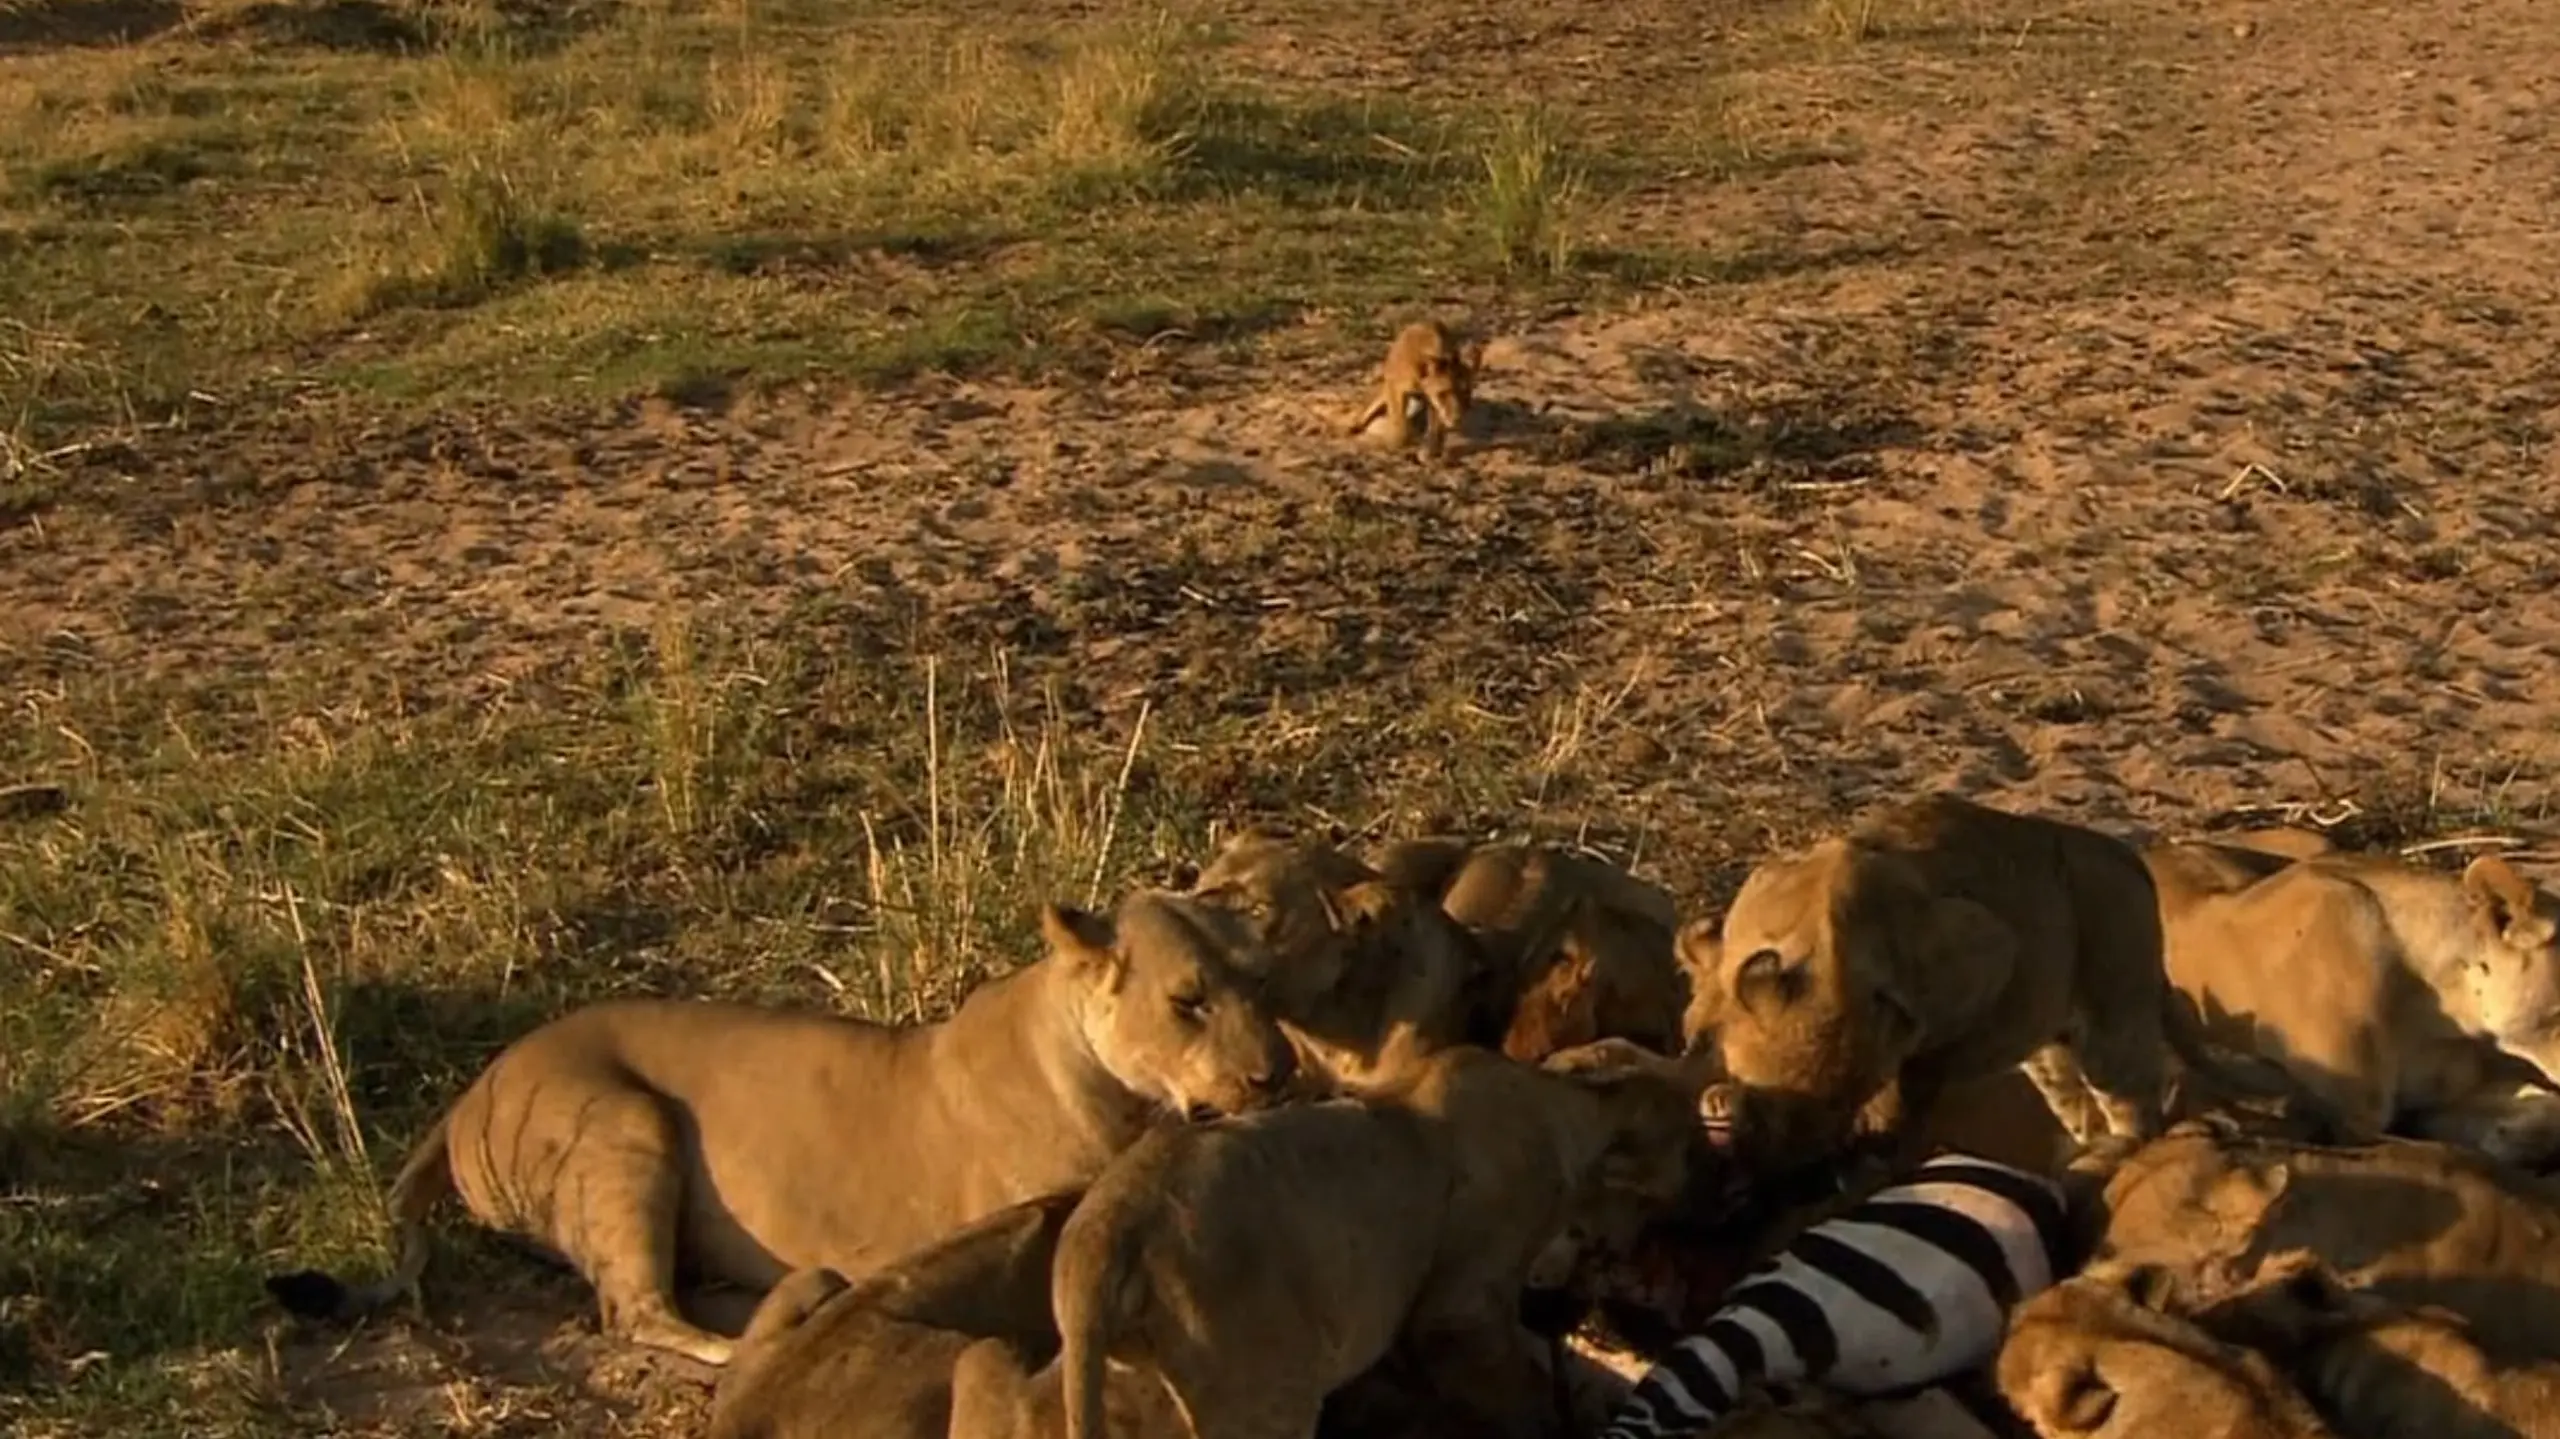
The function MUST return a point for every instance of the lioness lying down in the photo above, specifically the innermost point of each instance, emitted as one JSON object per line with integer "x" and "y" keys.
{"x": 1259, "y": 1262}
{"x": 2403, "y": 996}
{"x": 1937, "y": 941}
{"x": 1576, "y": 949}
{"x": 637, "y": 1137}
{"x": 2418, "y": 1222}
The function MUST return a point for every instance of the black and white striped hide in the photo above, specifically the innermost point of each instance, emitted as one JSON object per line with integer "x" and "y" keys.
{"x": 1908, "y": 1288}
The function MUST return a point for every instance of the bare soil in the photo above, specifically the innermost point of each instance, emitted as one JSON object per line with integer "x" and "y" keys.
{"x": 2144, "y": 415}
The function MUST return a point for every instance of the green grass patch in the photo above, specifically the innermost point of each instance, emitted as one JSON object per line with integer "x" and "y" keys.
{"x": 261, "y": 940}
{"x": 438, "y": 202}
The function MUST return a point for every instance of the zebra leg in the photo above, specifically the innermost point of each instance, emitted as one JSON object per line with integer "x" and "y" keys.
{"x": 1686, "y": 1393}
{"x": 2056, "y": 1073}
{"x": 2122, "y": 1067}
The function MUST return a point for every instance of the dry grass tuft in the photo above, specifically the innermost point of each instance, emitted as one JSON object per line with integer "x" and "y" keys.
{"x": 296, "y": 938}
{"x": 1853, "y": 21}
{"x": 1529, "y": 195}
{"x": 45, "y": 370}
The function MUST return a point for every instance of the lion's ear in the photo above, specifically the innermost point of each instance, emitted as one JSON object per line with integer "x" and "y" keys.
{"x": 2307, "y": 1280}
{"x": 1359, "y": 906}
{"x": 1082, "y": 941}
{"x": 1899, "y": 1018}
{"x": 1699, "y": 949}
{"x": 1765, "y": 983}
{"x": 2498, "y": 893}
{"x": 2152, "y": 1286}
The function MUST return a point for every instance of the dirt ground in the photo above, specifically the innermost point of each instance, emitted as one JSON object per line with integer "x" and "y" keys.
{"x": 2221, "y": 483}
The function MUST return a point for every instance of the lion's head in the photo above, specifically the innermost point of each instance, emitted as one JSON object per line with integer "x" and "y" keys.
{"x": 1301, "y": 898}
{"x": 1169, "y": 1005}
{"x": 2513, "y": 973}
{"x": 1804, "y": 992}
{"x": 1353, "y": 962}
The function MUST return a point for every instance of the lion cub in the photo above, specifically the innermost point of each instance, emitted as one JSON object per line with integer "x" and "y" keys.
{"x": 1365, "y": 975}
{"x": 886, "y": 1348}
{"x": 1428, "y": 362}
{"x": 2104, "y": 1355}
{"x": 1576, "y": 949}
{"x": 2430, "y": 1223}
{"x": 1259, "y": 1263}
{"x": 2383, "y": 1367}
{"x": 1937, "y": 941}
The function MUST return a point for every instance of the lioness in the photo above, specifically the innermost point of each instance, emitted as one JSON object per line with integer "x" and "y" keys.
{"x": 1576, "y": 949}
{"x": 1365, "y": 975}
{"x": 2187, "y": 871}
{"x": 818, "y": 1349}
{"x": 2103, "y": 1356}
{"x": 1259, "y": 1262}
{"x": 2403, "y": 996}
{"x": 1936, "y": 941}
{"x": 740, "y": 1143}
{"x": 2380, "y": 1369}
{"x": 2417, "y": 1221}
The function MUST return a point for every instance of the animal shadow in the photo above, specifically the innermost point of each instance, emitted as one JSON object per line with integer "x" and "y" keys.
{"x": 75, "y": 24}
{"x": 1684, "y": 442}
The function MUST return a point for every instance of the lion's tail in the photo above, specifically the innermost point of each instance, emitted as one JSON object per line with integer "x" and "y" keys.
{"x": 1097, "y": 1266}
{"x": 425, "y": 1177}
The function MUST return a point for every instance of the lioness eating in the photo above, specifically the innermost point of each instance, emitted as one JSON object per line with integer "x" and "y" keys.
{"x": 2403, "y": 996}
{"x": 2104, "y": 1356}
{"x": 1365, "y": 975}
{"x": 1938, "y": 940}
{"x": 1576, "y": 949}
{"x": 635, "y": 1137}
{"x": 1259, "y": 1262}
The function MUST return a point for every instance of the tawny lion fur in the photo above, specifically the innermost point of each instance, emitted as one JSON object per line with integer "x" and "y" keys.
{"x": 1366, "y": 976}
{"x": 2382, "y": 1369}
{"x": 1259, "y": 1262}
{"x": 2404, "y": 997}
{"x": 1575, "y": 949}
{"x": 636, "y": 1137}
{"x": 2103, "y": 1355}
{"x": 2418, "y": 1222}
{"x": 1002, "y": 1389}
{"x": 1939, "y": 940}
{"x": 1425, "y": 360}
{"x": 819, "y": 1350}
